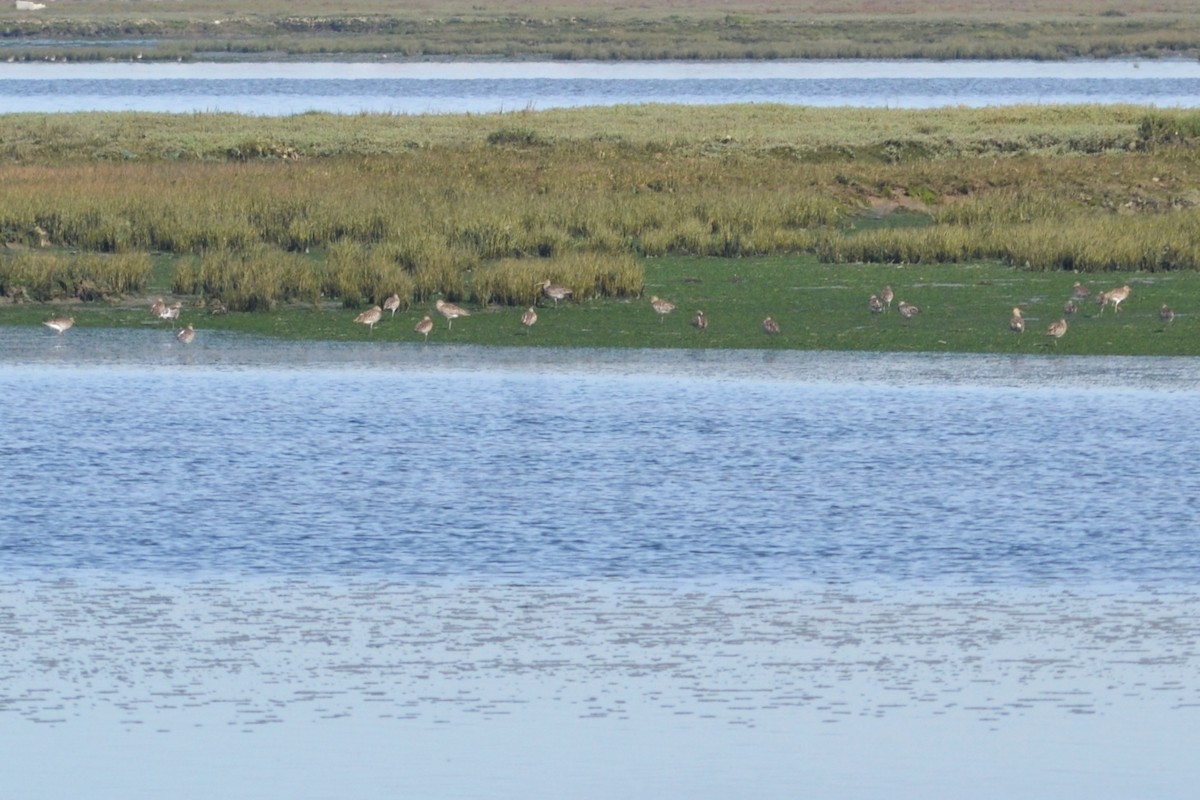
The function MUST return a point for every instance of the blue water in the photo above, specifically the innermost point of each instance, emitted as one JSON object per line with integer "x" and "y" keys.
{"x": 489, "y": 87}
{"x": 539, "y": 473}
{"x": 445, "y": 571}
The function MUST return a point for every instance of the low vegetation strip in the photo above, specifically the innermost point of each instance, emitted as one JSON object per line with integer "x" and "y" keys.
{"x": 331, "y": 215}
{"x": 573, "y": 29}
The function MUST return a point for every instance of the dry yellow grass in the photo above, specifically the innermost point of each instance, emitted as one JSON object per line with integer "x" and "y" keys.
{"x": 480, "y": 207}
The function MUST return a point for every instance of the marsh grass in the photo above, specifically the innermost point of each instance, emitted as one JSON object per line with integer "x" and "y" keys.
{"x": 1075, "y": 241}
{"x": 45, "y": 276}
{"x": 573, "y": 30}
{"x": 1024, "y": 185}
{"x": 253, "y": 279}
{"x": 278, "y": 215}
{"x": 640, "y": 133}
{"x": 518, "y": 282}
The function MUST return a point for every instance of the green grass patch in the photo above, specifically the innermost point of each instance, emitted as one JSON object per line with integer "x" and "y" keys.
{"x": 964, "y": 309}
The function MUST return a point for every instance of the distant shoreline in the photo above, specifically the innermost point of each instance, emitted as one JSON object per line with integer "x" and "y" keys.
{"x": 575, "y": 30}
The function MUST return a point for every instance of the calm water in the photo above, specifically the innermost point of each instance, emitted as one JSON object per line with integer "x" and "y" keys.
{"x": 451, "y": 571}
{"x": 445, "y": 465}
{"x": 414, "y": 88}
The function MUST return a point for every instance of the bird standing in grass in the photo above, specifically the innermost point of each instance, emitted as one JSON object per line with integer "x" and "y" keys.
{"x": 392, "y": 304}
{"x": 1166, "y": 314}
{"x": 770, "y": 326}
{"x": 1079, "y": 291}
{"x": 1114, "y": 297}
{"x": 1069, "y": 308}
{"x": 886, "y": 296}
{"x": 1017, "y": 323}
{"x": 661, "y": 307}
{"x": 424, "y": 327}
{"x": 370, "y": 317}
{"x": 1056, "y": 330}
{"x": 699, "y": 321}
{"x": 451, "y": 312}
{"x": 60, "y": 325}
{"x": 874, "y": 304}
{"x": 555, "y": 292}
{"x": 908, "y": 310}
{"x": 529, "y": 318}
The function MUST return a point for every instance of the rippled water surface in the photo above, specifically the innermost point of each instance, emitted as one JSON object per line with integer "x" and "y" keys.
{"x": 511, "y": 573}
{"x": 458, "y": 466}
{"x": 489, "y": 87}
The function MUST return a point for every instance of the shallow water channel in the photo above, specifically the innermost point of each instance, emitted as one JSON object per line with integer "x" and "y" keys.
{"x": 488, "y": 87}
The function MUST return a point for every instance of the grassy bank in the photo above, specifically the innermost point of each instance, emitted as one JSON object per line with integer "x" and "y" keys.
{"x": 314, "y": 217}
{"x": 964, "y": 308}
{"x": 573, "y": 29}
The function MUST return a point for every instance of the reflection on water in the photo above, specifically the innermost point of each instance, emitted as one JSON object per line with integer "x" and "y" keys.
{"x": 481, "y": 572}
{"x": 274, "y": 652}
{"x": 503, "y": 690}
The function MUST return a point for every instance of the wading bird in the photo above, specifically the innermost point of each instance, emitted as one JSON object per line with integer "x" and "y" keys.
{"x": 1017, "y": 323}
{"x": 1070, "y": 308}
{"x": 186, "y": 335}
{"x": 1056, "y": 330}
{"x": 529, "y": 318}
{"x": 1079, "y": 291}
{"x": 1114, "y": 297}
{"x": 770, "y": 326}
{"x": 908, "y": 310}
{"x": 424, "y": 327}
{"x": 1166, "y": 314}
{"x": 886, "y": 296}
{"x": 661, "y": 307}
{"x": 392, "y": 304}
{"x": 554, "y": 291}
{"x": 874, "y": 304}
{"x": 699, "y": 321}
{"x": 370, "y": 317}
{"x": 60, "y": 325}
{"x": 450, "y": 311}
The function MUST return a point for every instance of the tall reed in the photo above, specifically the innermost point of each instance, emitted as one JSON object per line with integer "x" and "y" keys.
{"x": 46, "y": 276}
{"x": 360, "y": 273}
{"x": 254, "y": 279}
{"x": 469, "y": 214}
{"x": 518, "y": 281}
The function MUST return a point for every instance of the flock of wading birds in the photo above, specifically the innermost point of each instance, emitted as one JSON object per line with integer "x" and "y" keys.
{"x": 529, "y": 318}
{"x": 876, "y": 304}
{"x": 1080, "y": 294}
{"x": 158, "y": 308}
